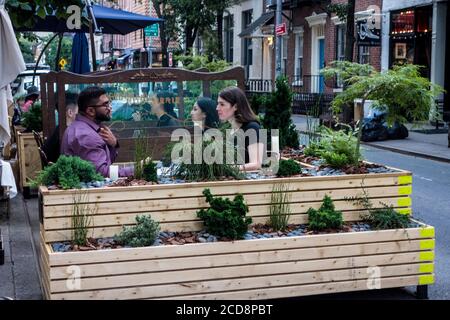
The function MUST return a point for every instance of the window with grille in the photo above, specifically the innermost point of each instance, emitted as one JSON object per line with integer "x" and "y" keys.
{"x": 298, "y": 58}
{"x": 364, "y": 55}
{"x": 229, "y": 30}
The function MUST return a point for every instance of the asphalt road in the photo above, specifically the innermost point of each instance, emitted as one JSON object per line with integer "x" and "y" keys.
{"x": 431, "y": 204}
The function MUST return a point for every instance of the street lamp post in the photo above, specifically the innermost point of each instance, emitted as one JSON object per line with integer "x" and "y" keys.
{"x": 278, "y": 41}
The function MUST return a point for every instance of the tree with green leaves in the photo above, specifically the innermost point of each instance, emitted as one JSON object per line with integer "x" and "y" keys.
{"x": 169, "y": 29}
{"x": 27, "y": 48}
{"x": 66, "y": 52}
{"x": 278, "y": 114}
{"x": 26, "y": 13}
{"x": 401, "y": 92}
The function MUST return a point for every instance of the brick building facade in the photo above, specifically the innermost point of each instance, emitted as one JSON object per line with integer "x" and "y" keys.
{"x": 315, "y": 39}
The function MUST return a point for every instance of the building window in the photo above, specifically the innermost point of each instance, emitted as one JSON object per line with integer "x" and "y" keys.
{"x": 229, "y": 30}
{"x": 340, "y": 42}
{"x": 364, "y": 55}
{"x": 298, "y": 58}
{"x": 247, "y": 17}
{"x": 411, "y": 37}
{"x": 284, "y": 55}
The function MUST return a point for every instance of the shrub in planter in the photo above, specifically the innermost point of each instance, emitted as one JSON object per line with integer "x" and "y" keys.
{"x": 68, "y": 172}
{"x": 225, "y": 217}
{"x": 386, "y": 218}
{"x": 337, "y": 148}
{"x": 287, "y": 168}
{"x": 150, "y": 172}
{"x": 32, "y": 120}
{"x": 278, "y": 114}
{"x": 143, "y": 234}
{"x": 326, "y": 217}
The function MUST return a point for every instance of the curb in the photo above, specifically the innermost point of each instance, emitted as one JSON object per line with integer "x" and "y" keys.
{"x": 410, "y": 153}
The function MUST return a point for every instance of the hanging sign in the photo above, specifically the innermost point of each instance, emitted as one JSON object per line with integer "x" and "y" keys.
{"x": 368, "y": 34}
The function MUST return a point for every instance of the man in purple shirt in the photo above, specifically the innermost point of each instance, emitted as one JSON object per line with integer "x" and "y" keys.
{"x": 87, "y": 138}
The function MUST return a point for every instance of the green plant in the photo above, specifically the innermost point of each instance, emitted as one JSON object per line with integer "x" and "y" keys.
{"x": 278, "y": 114}
{"x": 337, "y": 148}
{"x": 141, "y": 151}
{"x": 258, "y": 102}
{"x": 68, "y": 172}
{"x": 287, "y": 168}
{"x": 143, "y": 234}
{"x": 32, "y": 120}
{"x": 326, "y": 217}
{"x": 206, "y": 170}
{"x": 225, "y": 217}
{"x": 81, "y": 217}
{"x": 150, "y": 171}
{"x": 401, "y": 92}
{"x": 280, "y": 208}
{"x": 386, "y": 218}
{"x": 379, "y": 218}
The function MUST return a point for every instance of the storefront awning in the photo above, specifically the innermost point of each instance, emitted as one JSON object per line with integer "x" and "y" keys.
{"x": 251, "y": 31}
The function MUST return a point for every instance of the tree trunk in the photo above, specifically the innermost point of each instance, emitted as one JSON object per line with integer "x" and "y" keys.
{"x": 191, "y": 34}
{"x": 164, "y": 45}
{"x": 350, "y": 43}
{"x": 219, "y": 19}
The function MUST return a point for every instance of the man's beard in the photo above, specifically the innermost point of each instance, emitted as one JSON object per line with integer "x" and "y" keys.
{"x": 102, "y": 117}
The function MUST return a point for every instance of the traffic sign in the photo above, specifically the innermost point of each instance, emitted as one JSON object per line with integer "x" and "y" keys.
{"x": 152, "y": 30}
{"x": 280, "y": 29}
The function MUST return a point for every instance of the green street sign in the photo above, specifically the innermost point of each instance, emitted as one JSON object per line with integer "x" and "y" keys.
{"x": 152, "y": 31}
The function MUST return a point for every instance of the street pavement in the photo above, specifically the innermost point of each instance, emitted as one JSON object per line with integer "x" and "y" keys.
{"x": 19, "y": 277}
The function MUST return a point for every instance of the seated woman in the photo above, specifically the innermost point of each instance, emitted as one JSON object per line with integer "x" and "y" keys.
{"x": 204, "y": 113}
{"x": 163, "y": 104}
{"x": 234, "y": 108}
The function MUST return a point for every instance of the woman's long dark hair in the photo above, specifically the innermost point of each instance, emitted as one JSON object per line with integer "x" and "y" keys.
{"x": 209, "y": 108}
{"x": 237, "y": 97}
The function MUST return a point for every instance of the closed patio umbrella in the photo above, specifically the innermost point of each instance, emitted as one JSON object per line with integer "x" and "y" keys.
{"x": 80, "y": 54}
{"x": 11, "y": 64}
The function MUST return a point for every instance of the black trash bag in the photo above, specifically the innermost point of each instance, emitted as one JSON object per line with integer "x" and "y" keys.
{"x": 377, "y": 129}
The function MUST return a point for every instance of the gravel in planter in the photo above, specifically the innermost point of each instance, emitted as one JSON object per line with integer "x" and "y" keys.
{"x": 258, "y": 231}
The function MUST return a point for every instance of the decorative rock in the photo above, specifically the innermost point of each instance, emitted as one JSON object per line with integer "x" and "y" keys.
{"x": 211, "y": 239}
{"x": 201, "y": 239}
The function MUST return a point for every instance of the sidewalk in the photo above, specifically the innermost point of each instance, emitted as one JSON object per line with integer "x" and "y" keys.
{"x": 19, "y": 278}
{"x": 430, "y": 146}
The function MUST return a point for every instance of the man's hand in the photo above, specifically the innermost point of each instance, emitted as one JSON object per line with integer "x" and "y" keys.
{"x": 108, "y": 136}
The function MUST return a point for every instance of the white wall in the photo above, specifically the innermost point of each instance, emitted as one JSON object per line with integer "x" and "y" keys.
{"x": 236, "y": 11}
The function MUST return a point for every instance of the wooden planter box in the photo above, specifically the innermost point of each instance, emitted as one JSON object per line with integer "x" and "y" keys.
{"x": 175, "y": 205}
{"x": 29, "y": 159}
{"x": 245, "y": 269}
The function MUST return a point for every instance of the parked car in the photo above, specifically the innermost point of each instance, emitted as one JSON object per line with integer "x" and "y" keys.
{"x": 25, "y": 79}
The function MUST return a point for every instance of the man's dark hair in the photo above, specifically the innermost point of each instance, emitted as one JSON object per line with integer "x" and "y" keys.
{"x": 89, "y": 97}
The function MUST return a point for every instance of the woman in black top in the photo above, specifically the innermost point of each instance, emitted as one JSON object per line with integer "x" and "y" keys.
{"x": 234, "y": 108}
{"x": 163, "y": 104}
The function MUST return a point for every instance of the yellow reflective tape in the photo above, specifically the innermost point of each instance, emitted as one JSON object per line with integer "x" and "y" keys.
{"x": 426, "y": 256}
{"x": 426, "y": 279}
{"x": 405, "y": 190}
{"x": 407, "y": 211}
{"x": 426, "y": 268}
{"x": 426, "y": 244}
{"x": 427, "y": 232}
{"x": 405, "y": 180}
{"x": 404, "y": 202}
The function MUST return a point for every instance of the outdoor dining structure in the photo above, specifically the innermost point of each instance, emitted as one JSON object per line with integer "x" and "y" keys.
{"x": 272, "y": 264}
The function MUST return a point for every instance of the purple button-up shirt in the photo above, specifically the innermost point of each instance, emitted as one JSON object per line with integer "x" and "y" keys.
{"x": 82, "y": 139}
